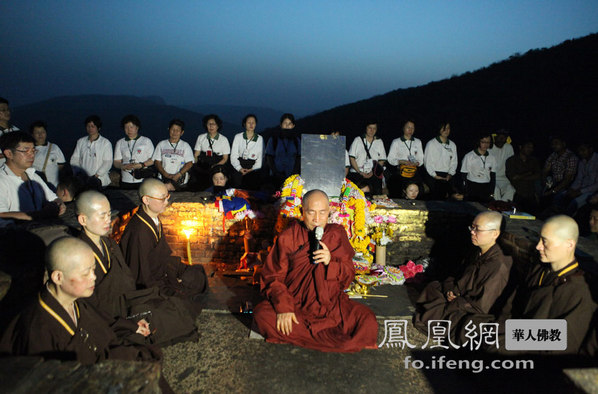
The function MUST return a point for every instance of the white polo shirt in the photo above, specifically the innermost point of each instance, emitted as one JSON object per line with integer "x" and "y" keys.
{"x": 219, "y": 145}
{"x": 401, "y": 149}
{"x": 358, "y": 152}
{"x": 128, "y": 151}
{"x": 252, "y": 149}
{"x": 478, "y": 167}
{"x": 440, "y": 157}
{"x": 173, "y": 156}
{"x": 16, "y": 197}
{"x": 94, "y": 157}
{"x": 500, "y": 156}
{"x": 55, "y": 158}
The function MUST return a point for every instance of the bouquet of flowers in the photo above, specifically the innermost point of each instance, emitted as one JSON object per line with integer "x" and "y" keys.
{"x": 381, "y": 229}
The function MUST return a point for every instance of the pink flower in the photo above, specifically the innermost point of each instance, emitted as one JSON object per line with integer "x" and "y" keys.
{"x": 378, "y": 219}
{"x": 411, "y": 269}
{"x": 392, "y": 219}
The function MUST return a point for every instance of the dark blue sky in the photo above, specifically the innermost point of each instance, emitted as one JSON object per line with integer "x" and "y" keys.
{"x": 297, "y": 56}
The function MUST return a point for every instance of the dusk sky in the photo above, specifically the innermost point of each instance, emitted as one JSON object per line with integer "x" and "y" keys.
{"x": 296, "y": 56}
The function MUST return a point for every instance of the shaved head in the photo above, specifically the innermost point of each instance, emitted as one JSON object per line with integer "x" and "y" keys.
{"x": 563, "y": 227}
{"x": 316, "y": 208}
{"x": 67, "y": 254}
{"x": 492, "y": 219}
{"x": 313, "y": 194}
{"x": 150, "y": 187}
{"x": 88, "y": 202}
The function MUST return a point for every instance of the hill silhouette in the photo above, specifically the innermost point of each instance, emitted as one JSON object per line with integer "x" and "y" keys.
{"x": 267, "y": 117}
{"x": 65, "y": 117}
{"x": 540, "y": 93}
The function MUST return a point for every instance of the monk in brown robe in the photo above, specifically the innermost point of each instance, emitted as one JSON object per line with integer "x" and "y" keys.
{"x": 557, "y": 288}
{"x": 148, "y": 255}
{"x": 57, "y": 324}
{"x": 305, "y": 303}
{"x": 115, "y": 292}
{"x": 476, "y": 289}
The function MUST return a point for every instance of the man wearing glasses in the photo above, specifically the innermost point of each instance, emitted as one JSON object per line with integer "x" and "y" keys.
{"x": 148, "y": 254}
{"x": 477, "y": 288}
{"x": 23, "y": 194}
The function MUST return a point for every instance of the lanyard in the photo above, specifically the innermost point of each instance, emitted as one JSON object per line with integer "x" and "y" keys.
{"x": 408, "y": 146}
{"x": 211, "y": 142}
{"x": 174, "y": 146}
{"x": 132, "y": 148}
{"x": 483, "y": 159}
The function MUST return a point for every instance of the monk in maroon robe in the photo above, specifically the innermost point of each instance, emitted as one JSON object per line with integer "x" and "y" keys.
{"x": 305, "y": 300}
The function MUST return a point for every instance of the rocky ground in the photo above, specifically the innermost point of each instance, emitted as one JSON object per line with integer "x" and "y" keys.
{"x": 226, "y": 359}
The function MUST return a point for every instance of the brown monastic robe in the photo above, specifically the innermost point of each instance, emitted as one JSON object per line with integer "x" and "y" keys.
{"x": 563, "y": 294}
{"x": 481, "y": 283}
{"x": 171, "y": 321}
{"x": 151, "y": 261}
{"x": 45, "y": 329}
{"x": 328, "y": 320}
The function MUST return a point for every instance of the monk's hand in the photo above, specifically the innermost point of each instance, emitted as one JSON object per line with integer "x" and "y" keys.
{"x": 450, "y": 296}
{"x": 284, "y": 322}
{"x": 322, "y": 255}
{"x": 143, "y": 328}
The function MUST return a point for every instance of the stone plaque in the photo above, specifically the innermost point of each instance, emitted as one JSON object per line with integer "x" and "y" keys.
{"x": 323, "y": 162}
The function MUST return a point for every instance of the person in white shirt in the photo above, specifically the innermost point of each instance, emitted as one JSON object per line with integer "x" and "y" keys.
{"x": 5, "y": 125}
{"x": 478, "y": 168}
{"x": 405, "y": 157}
{"x": 133, "y": 154}
{"x": 367, "y": 156}
{"x": 503, "y": 191}
{"x": 211, "y": 149}
{"x": 92, "y": 157}
{"x": 173, "y": 157}
{"x": 440, "y": 161}
{"x": 246, "y": 156}
{"x": 23, "y": 194}
{"x": 49, "y": 159}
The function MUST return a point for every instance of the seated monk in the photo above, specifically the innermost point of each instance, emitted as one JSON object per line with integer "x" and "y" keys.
{"x": 305, "y": 303}
{"x": 477, "y": 288}
{"x": 556, "y": 288}
{"x": 115, "y": 292}
{"x": 58, "y": 325}
{"x": 147, "y": 253}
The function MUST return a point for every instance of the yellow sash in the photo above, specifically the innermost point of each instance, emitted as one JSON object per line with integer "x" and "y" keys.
{"x": 56, "y": 316}
{"x": 151, "y": 227}
{"x": 100, "y": 260}
{"x": 563, "y": 272}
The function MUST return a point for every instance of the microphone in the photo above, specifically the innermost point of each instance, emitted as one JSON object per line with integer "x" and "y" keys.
{"x": 314, "y": 241}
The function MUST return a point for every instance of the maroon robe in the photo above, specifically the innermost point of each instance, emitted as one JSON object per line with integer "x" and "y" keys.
{"x": 151, "y": 261}
{"x": 171, "y": 321}
{"x": 481, "y": 283}
{"x": 328, "y": 320}
{"x": 37, "y": 332}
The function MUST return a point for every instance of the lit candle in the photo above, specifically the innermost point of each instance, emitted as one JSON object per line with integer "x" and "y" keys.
{"x": 188, "y": 232}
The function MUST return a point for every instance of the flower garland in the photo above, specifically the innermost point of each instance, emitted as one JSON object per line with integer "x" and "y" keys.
{"x": 291, "y": 196}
